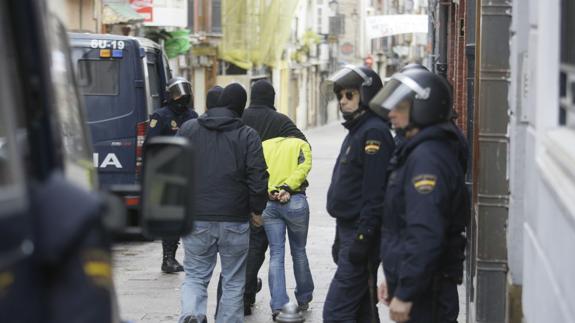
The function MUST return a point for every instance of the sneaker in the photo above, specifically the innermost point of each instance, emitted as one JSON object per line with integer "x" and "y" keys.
{"x": 303, "y": 307}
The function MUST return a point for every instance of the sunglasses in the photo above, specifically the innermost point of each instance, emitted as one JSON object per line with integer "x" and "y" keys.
{"x": 348, "y": 95}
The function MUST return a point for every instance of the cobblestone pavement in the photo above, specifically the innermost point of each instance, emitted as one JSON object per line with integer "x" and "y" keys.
{"x": 147, "y": 295}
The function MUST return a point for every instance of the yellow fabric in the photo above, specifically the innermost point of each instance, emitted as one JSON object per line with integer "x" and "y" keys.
{"x": 284, "y": 163}
{"x": 255, "y": 31}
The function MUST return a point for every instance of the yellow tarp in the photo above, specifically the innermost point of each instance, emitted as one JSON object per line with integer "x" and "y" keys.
{"x": 255, "y": 31}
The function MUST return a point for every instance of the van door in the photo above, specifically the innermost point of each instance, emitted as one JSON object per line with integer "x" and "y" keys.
{"x": 115, "y": 97}
{"x": 69, "y": 111}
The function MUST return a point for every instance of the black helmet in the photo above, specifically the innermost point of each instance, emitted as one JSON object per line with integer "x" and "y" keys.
{"x": 179, "y": 91}
{"x": 413, "y": 66}
{"x": 357, "y": 77}
{"x": 428, "y": 93}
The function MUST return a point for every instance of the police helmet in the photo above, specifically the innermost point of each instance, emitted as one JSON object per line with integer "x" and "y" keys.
{"x": 357, "y": 77}
{"x": 412, "y": 66}
{"x": 428, "y": 94}
{"x": 179, "y": 90}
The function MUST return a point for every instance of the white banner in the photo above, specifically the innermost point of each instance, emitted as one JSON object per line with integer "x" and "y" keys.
{"x": 162, "y": 12}
{"x": 389, "y": 25}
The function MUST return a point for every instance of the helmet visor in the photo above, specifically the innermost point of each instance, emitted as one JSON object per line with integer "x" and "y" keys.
{"x": 179, "y": 89}
{"x": 395, "y": 91}
{"x": 349, "y": 77}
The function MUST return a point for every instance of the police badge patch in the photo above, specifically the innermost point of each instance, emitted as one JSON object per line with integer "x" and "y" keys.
{"x": 424, "y": 183}
{"x": 372, "y": 146}
{"x": 153, "y": 123}
{"x": 174, "y": 125}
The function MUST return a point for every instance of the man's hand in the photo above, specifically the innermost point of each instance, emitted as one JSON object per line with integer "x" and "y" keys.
{"x": 382, "y": 293}
{"x": 273, "y": 196}
{"x": 257, "y": 220}
{"x": 399, "y": 310}
{"x": 284, "y": 196}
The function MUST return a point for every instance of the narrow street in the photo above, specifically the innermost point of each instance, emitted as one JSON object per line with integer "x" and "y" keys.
{"x": 147, "y": 295}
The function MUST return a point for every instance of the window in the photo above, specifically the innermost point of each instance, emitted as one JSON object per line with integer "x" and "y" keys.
{"x": 567, "y": 73}
{"x": 319, "y": 21}
{"x": 12, "y": 129}
{"x": 154, "y": 80}
{"x": 99, "y": 77}
{"x": 216, "y": 16}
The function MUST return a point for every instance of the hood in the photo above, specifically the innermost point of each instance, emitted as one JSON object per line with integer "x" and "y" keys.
{"x": 443, "y": 131}
{"x": 263, "y": 93}
{"x": 213, "y": 96}
{"x": 234, "y": 98}
{"x": 220, "y": 119}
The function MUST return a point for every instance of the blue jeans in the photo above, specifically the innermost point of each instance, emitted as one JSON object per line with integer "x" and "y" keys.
{"x": 293, "y": 216}
{"x": 207, "y": 239}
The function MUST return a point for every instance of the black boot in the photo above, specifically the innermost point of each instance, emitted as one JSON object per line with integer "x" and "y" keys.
{"x": 169, "y": 262}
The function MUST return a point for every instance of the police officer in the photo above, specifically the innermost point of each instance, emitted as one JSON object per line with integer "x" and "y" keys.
{"x": 355, "y": 197}
{"x": 426, "y": 201}
{"x": 166, "y": 122}
{"x": 61, "y": 271}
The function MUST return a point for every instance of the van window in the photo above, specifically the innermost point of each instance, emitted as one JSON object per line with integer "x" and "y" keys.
{"x": 99, "y": 77}
{"x": 154, "y": 85}
{"x": 12, "y": 128}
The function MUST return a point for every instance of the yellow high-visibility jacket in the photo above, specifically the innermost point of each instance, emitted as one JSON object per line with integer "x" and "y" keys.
{"x": 289, "y": 163}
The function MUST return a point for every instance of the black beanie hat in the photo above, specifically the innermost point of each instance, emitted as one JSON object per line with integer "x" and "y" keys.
{"x": 213, "y": 96}
{"x": 263, "y": 93}
{"x": 234, "y": 97}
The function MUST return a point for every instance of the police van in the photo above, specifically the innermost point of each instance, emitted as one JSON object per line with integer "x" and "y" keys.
{"x": 123, "y": 81}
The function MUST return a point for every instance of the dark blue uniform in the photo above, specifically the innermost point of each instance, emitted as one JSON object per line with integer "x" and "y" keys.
{"x": 167, "y": 120}
{"x": 68, "y": 275}
{"x": 426, "y": 210}
{"x": 355, "y": 199}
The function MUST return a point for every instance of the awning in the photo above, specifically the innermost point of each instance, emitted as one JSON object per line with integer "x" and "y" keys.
{"x": 120, "y": 13}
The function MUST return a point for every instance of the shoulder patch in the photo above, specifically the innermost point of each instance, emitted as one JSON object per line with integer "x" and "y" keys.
{"x": 153, "y": 123}
{"x": 424, "y": 183}
{"x": 97, "y": 267}
{"x": 372, "y": 146}
{"x": 174, "y": 125}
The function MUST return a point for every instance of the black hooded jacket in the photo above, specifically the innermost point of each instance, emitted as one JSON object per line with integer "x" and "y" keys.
{"x": 213, "y": 96}
{"x": 230, "y": 169}
{"x": 263, "y": 117}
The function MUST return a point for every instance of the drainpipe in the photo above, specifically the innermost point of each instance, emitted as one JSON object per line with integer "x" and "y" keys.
{"x": 442, "y": 41}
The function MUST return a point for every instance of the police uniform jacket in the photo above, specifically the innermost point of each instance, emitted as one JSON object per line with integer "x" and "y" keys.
{"x": 167, "y": 120}
{"x": 356, "y": 191}
{"x": 425, "y": 212}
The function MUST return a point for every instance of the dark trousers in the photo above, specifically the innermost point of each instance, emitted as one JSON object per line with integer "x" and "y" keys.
{"x": 441, "y": 298}
{"x": 350, "y": 298}
{"x": 169, "y": 247}
{"x": 256, "y": 257}
{"x": 255, "y": 260}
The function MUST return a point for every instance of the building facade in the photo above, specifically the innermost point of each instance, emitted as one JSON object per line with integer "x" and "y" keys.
{"x": 512, "y": 68}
